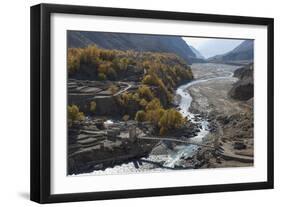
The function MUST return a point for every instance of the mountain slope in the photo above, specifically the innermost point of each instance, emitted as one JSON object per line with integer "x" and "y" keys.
{"x": 137, "y": 42}
{"x": 242, "y": 53}
{"x": 243, "y": 89}
{"x": 196, "y": 52}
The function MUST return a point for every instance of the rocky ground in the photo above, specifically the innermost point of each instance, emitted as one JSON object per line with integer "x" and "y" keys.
{"x": 96, "y": 144}
{"x": 232, "y": 121}
{"x": 243, "y": 89}
{"x": 103, "y": 93}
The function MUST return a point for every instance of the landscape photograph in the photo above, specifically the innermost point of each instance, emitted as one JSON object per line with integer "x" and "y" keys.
{"x": 143, "y": 103}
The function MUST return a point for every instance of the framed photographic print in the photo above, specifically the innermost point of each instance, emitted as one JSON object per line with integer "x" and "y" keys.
{"x": 123, "y": 98}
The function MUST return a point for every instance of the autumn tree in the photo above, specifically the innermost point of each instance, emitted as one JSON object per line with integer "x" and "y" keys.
{"x": 145, "y": 92}
{"x": 73, "y": 59}
{"x": 73, "y": 114}
{"x": 101, "y": 76}
{"x": 153, "y": 105}
{"x": 171, "y": 119}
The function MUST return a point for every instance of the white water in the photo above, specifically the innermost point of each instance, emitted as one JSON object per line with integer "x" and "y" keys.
{"x": 184, "y": 105}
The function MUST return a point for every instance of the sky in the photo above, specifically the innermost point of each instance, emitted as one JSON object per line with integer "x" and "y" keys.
{"x": 209, "y": 47}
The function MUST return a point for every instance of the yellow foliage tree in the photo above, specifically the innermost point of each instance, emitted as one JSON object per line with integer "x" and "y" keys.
{"x": 143, "y": 103}
{"x": 153, "y": 105}
{"x": 101, "y": 76}
{"x": 73, "y": 59}
{"x": 90, "y": 55}
{"x": 154, "y": 116}
{"x": 74, "y": 114}
{"x": 171, "y": 119}
{"x": 145, "y": 92}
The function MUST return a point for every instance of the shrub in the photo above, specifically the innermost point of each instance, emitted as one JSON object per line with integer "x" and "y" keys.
{"x": 74, "y": 114}
{"x": 101, "y": 76}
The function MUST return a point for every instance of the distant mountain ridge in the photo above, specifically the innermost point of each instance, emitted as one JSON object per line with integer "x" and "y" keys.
{"x": 243, "y": 53}
{"x": 196, "y": 52}
{"x": 137, "y": 42}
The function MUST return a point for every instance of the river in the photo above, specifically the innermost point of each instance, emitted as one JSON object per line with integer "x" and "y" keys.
{"x": 206, "y": 72}
{"x": 184, "y": 105}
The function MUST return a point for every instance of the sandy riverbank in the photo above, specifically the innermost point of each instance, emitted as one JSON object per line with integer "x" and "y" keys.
{"x": 232, "y": 120}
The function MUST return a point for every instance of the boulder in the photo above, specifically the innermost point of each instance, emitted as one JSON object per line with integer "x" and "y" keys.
{"x": 243, "y": 89}
{"x": 239, "y": 146}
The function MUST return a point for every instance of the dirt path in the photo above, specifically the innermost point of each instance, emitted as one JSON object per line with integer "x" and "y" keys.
{"x": 123, "y": 90}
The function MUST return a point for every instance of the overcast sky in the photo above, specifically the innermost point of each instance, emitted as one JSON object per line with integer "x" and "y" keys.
{"x": 209, "y": 47}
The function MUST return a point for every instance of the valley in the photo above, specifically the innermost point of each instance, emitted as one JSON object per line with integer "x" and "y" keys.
{"x": 212, "y": 138}
{"x": 148, "y": 103}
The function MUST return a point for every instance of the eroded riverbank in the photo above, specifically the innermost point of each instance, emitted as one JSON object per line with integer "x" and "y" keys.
{"x": 233, "y": 119}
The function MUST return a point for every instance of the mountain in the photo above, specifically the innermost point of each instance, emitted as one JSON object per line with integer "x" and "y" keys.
{"x": 243, "y": 89}
{"x": 243, "y": 53}
{"x": 137, "y": 42}
{"x": 216, "y": 46}
{"x": 196, "y": 52}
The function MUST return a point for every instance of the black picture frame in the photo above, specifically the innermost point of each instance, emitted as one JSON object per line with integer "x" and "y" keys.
{"x": 41, "y": 95}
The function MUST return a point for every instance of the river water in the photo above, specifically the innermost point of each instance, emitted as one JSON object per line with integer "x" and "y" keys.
{"x": 184, "y": 105}
{"x": 173, "y": 157}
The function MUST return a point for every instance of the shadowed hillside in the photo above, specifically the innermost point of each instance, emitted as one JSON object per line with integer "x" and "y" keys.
{"x": 136, "y": 42}
{"x": 243, "y": 89}
{"x": 197, "y": 53}
{"x": 243, "y": 53}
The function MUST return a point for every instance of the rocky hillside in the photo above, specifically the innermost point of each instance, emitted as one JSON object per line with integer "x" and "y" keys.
{"x": 198, "y": 57}
{"x": 243, "y": 89}
{"x": 197, "y": 53}
{"x": 243, "y": 53}
{"x": 136, "y": 42}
